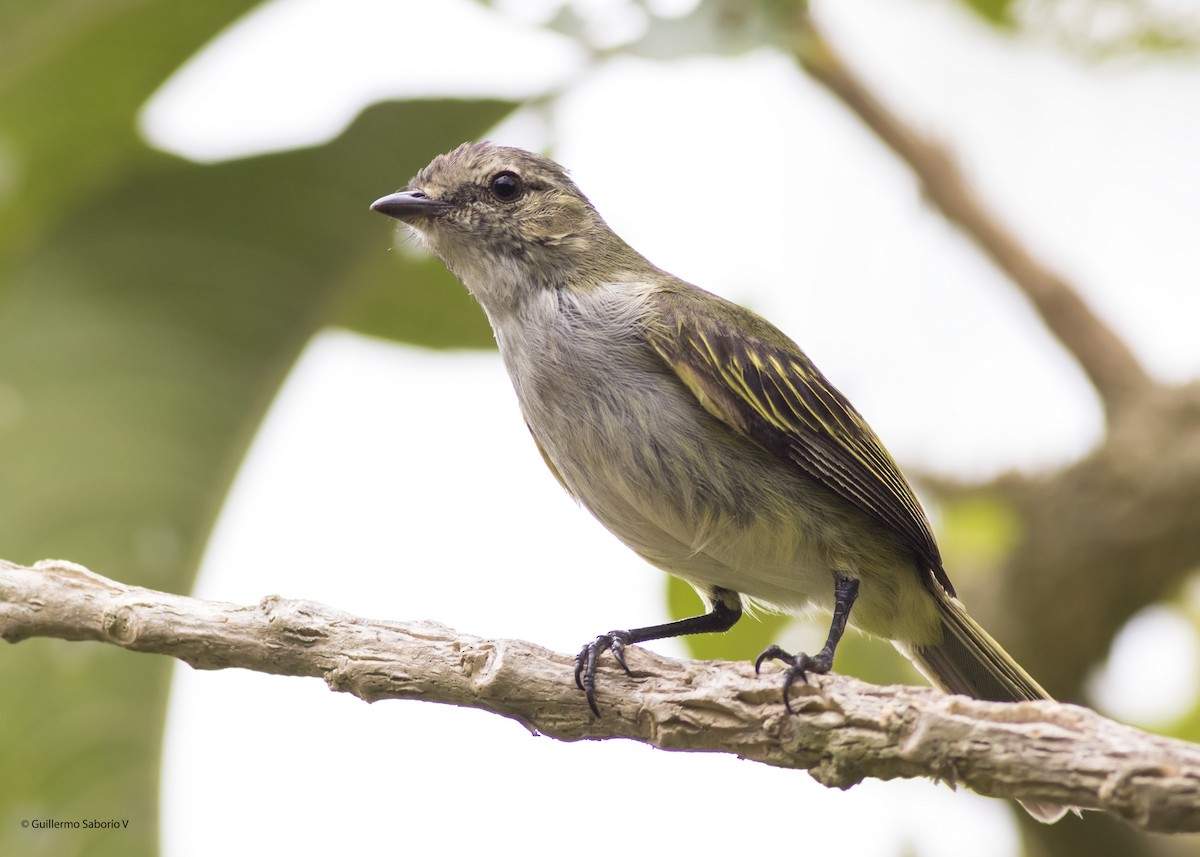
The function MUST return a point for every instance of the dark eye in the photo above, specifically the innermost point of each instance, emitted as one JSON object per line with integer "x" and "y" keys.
{"x": 507, "y": 186}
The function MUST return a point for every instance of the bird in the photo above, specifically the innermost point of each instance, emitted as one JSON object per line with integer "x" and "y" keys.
{"x": 696, "y": 432}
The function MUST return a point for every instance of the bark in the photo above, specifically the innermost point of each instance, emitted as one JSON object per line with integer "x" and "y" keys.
{"x": 843, "y": 731}
{"x": 1098, "y": 540}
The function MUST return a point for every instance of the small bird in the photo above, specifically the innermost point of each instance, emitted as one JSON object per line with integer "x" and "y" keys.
{"x": 695, "y": 431}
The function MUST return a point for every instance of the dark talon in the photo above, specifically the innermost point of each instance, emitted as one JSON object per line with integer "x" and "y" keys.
{"x": 581, "y": 660}
{"x": 770, "y": 653}
{"x": 585, "y": 663}
{"x": 845, "y": 590}
{"x": 726, "y": 608}
{"x": 799, "y": 666}
{"x": 618, "y": 650}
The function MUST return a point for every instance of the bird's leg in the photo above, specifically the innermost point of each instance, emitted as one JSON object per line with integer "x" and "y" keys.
{"x": 845, "y": 591}
{"x": 726, "y": 610}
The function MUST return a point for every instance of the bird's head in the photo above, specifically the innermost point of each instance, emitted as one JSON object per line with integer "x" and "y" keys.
{"x": 505, "y": 221}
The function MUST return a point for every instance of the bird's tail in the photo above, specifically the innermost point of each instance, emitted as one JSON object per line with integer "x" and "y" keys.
{"x": 970, "y": 662}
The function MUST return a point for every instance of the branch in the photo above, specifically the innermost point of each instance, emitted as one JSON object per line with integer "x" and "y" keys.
{"x": 1097, "y": 541}
{"x": 1105, "y": 358}
{"x": 844, "y": 730}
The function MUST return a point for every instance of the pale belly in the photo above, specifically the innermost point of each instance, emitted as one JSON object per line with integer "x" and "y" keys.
{"x": 698, "y": 500}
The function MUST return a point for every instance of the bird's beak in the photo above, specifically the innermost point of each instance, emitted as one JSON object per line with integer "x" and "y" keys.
{"x": 407, "y": 204}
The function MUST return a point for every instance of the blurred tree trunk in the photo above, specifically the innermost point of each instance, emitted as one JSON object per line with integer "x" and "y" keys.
{"x": 1099, "y": 540}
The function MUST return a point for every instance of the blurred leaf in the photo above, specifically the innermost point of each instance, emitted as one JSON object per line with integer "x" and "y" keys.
{"x": 1187, "y": 727}
{"x": 141, "y": 341}
{"x": 873, "y": 660}
{"x": 1094, "y": 30}
{"x": 998, "y": 12}
{"x": 977, "y": 533}
{"x": 743, "y": 641}
{"x": 1098, "y": 30}
{"x": 412, "y": 298}
{"x": 73, "y": 74}
{"x": 858, "y": 655}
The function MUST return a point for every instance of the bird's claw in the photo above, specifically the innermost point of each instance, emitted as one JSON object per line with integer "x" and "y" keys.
{"x": 585, "y": 662}
{"x": 799, "y": 666}
{"x": 771, "y": 653}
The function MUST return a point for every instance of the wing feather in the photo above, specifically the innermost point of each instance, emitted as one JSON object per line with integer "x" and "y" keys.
{"x": 748, "y": 374}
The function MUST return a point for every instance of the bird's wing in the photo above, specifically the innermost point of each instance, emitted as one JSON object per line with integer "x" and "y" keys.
{"x": 748, "y": 374}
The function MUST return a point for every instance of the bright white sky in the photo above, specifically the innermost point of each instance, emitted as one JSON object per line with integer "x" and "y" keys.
{"x": 736, "y": 174}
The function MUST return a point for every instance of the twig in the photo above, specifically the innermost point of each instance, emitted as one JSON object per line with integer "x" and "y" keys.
{"x": 1111, "y": 366}
{"x": 844, "y": 730}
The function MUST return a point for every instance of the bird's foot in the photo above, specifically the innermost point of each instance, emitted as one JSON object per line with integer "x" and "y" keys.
{"x": 799, "y": 666}
{"x": 585, "y": 662}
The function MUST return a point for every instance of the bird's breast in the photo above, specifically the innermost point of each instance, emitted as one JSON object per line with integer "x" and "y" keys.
{"x": 677, "y": 485}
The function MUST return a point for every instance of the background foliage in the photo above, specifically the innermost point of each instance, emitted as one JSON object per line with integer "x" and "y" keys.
{"x": 149, "y": 309}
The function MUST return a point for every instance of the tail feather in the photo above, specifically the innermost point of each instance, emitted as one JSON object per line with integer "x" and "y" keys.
{"x": 970, "y": 662}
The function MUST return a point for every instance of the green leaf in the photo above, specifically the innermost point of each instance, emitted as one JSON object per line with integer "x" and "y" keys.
{"x": 73, "y": 74}
{"x": 858, "y": 655}
{"x": 997, "y": 12}
{"x": 977, "y": 533}
{"x": 409, "y": 297}
{"x": 141, "y": 341}
{"x": 743, "y": 641}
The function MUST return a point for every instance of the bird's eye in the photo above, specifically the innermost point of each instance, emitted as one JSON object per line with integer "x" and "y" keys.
{"x": 507, "y": 186}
